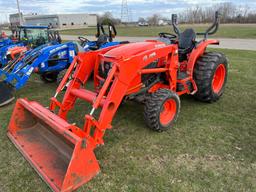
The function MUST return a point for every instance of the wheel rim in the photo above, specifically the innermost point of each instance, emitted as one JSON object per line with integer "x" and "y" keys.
{"x": 168, "y": 111}
{"x": 219, "y": 78}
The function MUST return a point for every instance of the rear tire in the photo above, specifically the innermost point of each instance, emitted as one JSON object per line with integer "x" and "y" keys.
{"x": 210, "y": 76}
{"x": 49, "y": 77}
{"x": 161, "y": 110}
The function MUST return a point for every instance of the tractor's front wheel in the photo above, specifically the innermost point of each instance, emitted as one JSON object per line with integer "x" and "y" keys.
{"x": 49, "y": 77}
{"x": 161, "y": 110}
{"x": 210, "y": 75}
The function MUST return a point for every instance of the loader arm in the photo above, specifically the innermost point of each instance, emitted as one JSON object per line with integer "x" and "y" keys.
{"x": 82, "y": 65}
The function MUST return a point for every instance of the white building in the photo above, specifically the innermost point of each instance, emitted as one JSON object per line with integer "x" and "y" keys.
{"x": 162, "y": 22}
{"x": 15, "y": 19}
{"x": 57, "y": 20}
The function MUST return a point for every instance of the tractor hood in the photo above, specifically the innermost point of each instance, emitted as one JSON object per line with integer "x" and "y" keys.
{"x": 131, "y": 49}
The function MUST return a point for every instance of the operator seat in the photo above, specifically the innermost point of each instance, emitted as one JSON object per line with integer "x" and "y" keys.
{"x": 102, "y": 39}
{"x": 187, "y": 40}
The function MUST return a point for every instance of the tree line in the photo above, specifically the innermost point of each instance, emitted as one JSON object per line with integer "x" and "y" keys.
{"x": 230, "y": 13}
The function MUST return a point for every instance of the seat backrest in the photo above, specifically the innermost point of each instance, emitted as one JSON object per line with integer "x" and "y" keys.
{"x": 187, "y": 39}
{"x": 102, "y": 39}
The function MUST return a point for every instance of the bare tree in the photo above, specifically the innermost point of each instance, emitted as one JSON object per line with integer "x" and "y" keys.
{"x": 108, "y": 17}
{"x": 229, "y": 13}
{"x": 154, "y": 19}
{"x": 227, "y": 10}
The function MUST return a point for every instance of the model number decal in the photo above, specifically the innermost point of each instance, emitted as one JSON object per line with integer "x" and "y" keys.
{"x": 30, "y": 71}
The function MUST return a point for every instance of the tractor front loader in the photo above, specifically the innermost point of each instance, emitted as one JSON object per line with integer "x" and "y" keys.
{"x": 62, "y": 153}
{"x": 153, "y": 72}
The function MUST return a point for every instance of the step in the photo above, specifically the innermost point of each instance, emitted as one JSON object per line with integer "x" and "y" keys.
{"x": 86, "y": 95}
{"x": 182, "y": 75}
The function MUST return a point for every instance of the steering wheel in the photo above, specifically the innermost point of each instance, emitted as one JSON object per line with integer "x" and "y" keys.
{"x": 83, "y": 39}
{"x": 167, "y": 35}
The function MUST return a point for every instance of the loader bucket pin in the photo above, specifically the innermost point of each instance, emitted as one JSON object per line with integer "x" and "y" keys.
{"x": 64, "y": 160}
{"x": 6, "y": 93}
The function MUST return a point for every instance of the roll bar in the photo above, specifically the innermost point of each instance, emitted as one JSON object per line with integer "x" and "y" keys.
{"x": 174, "y": 24}
{"x": 210, "y": 31}
{"x": 54, "y": 35}
{"x": 213, "y": 28}
{"x": 111, "y": 30}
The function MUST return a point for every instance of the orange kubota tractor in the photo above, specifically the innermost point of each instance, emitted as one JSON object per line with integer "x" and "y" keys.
{"x": 153, "y": 72}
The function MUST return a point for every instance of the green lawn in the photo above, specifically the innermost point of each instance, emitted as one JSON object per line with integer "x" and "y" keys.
{"x": 211, "y": 148}
{"x": 243, "y": 31}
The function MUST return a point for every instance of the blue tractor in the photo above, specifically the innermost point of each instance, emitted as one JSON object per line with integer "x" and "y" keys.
{"x": 50, "y": 61}
{"x": 26, "y": 38}
{"x": 5, "y": 40}
{"x": 60, "y": 57}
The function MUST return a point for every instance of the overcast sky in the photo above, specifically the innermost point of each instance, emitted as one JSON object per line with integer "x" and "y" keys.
{"x": 137, "y": 8}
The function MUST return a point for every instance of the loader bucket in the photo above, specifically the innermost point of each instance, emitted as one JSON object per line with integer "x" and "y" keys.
{"x": 6, "y": 93}
{"x": 63, "y": 159}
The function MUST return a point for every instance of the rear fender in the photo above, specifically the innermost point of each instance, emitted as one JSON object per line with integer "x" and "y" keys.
{"x": 197, "y": 52}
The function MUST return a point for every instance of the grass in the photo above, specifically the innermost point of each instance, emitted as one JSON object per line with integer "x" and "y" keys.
{"x": 211, "y": 148}
{"x": 243, "y": 31}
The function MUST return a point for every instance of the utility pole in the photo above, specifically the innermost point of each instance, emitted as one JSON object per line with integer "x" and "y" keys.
{"x": 20, "y": 16}
{"x": 130, "y": 15}
{"x": 124, "y": 12}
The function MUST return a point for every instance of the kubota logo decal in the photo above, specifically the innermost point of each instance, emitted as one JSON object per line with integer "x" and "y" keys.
{"x": 159, "y": 45}
{"x": 152, "y": 55}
